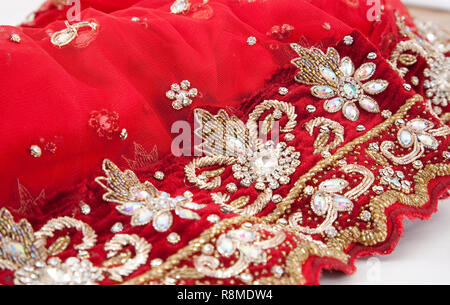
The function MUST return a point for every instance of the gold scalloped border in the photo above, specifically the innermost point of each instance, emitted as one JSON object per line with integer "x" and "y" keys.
{"x": 335, "y": 246}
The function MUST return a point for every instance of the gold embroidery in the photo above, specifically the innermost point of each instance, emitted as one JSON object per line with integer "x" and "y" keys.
{"x": 327, "y": 126}
{"x": 142, "y": 201}
{"x": 336, "y": 80}
{"x": 417, "y": 133}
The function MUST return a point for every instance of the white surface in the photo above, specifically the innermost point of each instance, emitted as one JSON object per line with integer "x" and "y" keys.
{"x": 422, "y": 255}
{"x": 436, "y": 4}
{"x": 13, "y": 12}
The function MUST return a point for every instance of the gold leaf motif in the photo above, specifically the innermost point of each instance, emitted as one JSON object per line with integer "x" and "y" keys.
{"x": 407, "y": 59}
{"x": 60, "y": 245}
{"x": 119, "y": 259}
{"x": 240, "y": 202}
{"x": 213, "y": 173}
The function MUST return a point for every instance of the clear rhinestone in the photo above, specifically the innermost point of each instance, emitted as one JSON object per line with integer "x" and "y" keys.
{"x": 136, "y": 19}
{"x": 328, "y": 74}
{"x": 375, "y": 86}
{"x": 365, "y": 216}
{"x": 428, "y": 141}
{"x": 347, "y": 67}
{"x": 360, "y": 128}
{"x": 372, "y": 55}
{"x": 310, "y": 108}
{"x": 15, "y": 38}
{"x": 309, "y": 190}
{"x": 277, "y": 198}
{"x": 225, "y": 246}
{"x": 162, "y": 222}
{"x": 369, "y": 104}
{"x": 85, "y": 208}
{"x": 283, "y": 91}
{"x": 289, "y": 137}
{"x": 231, "y": 187}
{"x": 207, "y": 249}
{"x": 386, "y": 114}
{"x": 407, "y": 87}
{"x": 251, "y": 40}
{"x": 193, "y": 92}
{"x": 322, "y": 92}
{"x": 156, "y": 262}
{"x": 35, "y": 151}
{"x": 277, "y": 114}
{"x": 213, "y": 218}
{"x": 173, "y": 238}
{"x": 348, "y": 40}
{"x": 123, "y": 134}
{"x": 377, "y": 189}
{"x": 180, "y": 7}
{"x": 277, "y": 271}
{"x": 331, "y": 232}
{"x": 405, "y": 138}
{"x": 365, "y": 71}
{"x": 159, "y": 175}
{"x": 117, "y": 227}
{"x": 246, "y": 277}
{"x": 170, "y": 94}
{"x": 350, "y": 111}
{"x": 333, "y": 105}
{"x": 319, "y": 204}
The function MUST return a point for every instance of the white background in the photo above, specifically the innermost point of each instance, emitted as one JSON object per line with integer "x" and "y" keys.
{"x": 422, "y": 255}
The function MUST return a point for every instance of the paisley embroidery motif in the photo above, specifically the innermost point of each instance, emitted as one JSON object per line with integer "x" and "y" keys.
{"x": 418, "y": 134}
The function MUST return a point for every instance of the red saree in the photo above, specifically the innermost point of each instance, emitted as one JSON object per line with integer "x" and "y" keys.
{"x": 362, "y": 144}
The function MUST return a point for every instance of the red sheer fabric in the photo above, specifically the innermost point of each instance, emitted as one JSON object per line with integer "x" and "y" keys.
{"x": 104, "y": 96}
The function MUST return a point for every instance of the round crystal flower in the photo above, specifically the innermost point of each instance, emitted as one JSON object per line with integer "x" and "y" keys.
{"x": 267, "y": 165}
{"x": 181, "y": 95}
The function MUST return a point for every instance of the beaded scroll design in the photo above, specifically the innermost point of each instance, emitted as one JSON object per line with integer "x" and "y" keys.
{"x": 24, "y": 251}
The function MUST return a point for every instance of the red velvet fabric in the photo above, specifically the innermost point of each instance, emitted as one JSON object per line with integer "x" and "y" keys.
{"x": 55, "y": 98}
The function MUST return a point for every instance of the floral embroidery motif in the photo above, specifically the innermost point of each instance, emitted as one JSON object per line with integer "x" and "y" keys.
{"x": 227, "y": 141}
{"x": 267, "y": 165}
{"x": 180, "y": 95}
{"x": 395, "y": 180}
{"x": 247, "y": 241}
{"x": 105, "y": 123}
{"x": 327, "y": 201}
{"x": 24, "y": 251}
{"x": 336, "y": 80}
{"x": 142, "y": 201}
{"x": 418, "y": 134}
{"x": 437, "y": 75}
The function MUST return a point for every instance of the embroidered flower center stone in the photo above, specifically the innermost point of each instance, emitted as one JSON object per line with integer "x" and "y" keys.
{"x": 269, "y": 165}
